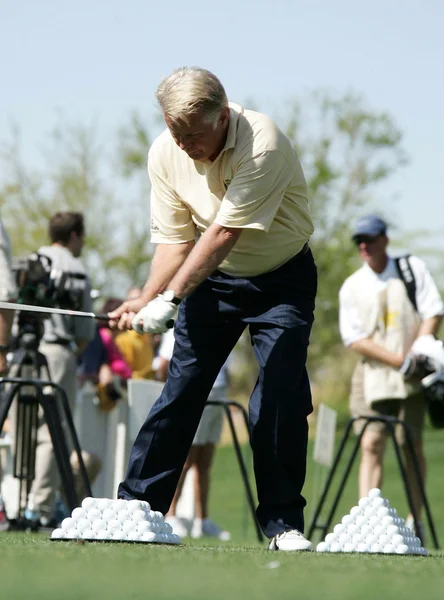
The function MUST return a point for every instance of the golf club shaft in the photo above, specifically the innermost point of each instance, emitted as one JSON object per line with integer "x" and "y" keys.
{"x": 52, "y": 311}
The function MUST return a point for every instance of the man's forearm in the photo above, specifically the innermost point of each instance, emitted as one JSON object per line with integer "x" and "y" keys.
{"x": 167, "y": 260}
{"x": 430, "y": 326}
{"x": 212, "y": 248}
{"x": 369, "y": 349}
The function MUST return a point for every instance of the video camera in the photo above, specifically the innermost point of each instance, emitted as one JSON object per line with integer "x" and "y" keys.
{"x": 40, "y": 284}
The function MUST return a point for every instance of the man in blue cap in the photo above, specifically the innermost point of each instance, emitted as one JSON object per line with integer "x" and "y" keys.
{"x": 384, "y": 307}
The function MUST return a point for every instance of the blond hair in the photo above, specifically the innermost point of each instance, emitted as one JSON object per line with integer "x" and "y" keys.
{"x": 189, "y": 90}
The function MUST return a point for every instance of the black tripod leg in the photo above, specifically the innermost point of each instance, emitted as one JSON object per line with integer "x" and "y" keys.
{"x": 241, "y": 462}
{"x": 421, "y": 487}
{"x": 67, "y": 416}
{"x": 314, "y": 523}
{"x": 61, "y": 453}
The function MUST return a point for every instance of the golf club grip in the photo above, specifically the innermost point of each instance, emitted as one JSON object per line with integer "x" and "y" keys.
{"x": 101, "y": 317}
{"x": 104, "y": 317}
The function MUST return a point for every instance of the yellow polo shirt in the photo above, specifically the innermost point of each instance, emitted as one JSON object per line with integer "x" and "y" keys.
{"x": 256, "y": 183}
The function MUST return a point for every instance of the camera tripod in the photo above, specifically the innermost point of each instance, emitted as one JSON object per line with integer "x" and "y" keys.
{"x": 30, "y": 384}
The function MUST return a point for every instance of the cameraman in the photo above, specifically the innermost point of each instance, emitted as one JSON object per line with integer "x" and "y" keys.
{"x": 63, "y": 339}
{"x": 8, "y": 293}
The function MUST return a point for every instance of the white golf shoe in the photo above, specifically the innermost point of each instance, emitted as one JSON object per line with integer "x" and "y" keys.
{"x": 179, "y": 526}
{"x": 290, "y": 541}
{"x": 207, "y": 528}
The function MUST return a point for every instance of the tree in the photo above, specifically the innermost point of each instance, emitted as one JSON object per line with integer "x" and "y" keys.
{"x": 78, "y": 175}
{"x": 348, "y": 152}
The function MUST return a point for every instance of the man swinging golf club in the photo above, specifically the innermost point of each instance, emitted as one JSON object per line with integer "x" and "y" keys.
{"x": 231, "y": 223}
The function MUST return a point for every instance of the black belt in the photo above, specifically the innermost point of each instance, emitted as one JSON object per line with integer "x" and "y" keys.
{"x": 60, "y": 342}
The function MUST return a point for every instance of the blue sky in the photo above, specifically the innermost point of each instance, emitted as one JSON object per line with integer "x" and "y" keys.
{"x": 102, "y": 58}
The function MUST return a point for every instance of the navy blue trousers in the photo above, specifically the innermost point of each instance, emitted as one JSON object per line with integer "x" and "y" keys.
{"x": 278, "y": 309}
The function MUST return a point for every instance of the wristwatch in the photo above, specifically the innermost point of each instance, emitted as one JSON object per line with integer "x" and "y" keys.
{"x": 170, "y": 296}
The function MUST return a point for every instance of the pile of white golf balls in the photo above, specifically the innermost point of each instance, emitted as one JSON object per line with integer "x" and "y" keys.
{"x": 372, "y": 527}
{"x": 122, "y": 520}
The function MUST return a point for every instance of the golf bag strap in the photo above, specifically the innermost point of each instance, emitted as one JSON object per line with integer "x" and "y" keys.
{"x": 406, "y": 274}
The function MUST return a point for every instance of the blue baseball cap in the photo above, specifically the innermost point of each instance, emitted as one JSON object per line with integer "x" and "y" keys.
{"x": 369, "y": 225}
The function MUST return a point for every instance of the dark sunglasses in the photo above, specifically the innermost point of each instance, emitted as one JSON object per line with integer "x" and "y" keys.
{"x": 365, "y": 239}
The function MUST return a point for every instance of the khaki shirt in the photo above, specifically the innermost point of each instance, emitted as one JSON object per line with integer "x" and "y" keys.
{"x": 256, "y": 183}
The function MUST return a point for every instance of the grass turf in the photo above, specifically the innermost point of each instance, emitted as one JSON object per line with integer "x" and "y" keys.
{"x": 34, "y": 567}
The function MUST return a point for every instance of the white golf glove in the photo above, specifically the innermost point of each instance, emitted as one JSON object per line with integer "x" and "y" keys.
{"x": 156, "y": 317}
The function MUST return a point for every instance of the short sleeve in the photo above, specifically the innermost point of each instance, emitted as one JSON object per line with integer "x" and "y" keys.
{"x": 171, "y": 221}
{"x": 351, "y": 326}
{"x": 428, "y": 298}
{"x": 256, "y": 191}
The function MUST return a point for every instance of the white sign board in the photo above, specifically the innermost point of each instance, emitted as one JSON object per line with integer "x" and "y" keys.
{"x": 325, "y": 435}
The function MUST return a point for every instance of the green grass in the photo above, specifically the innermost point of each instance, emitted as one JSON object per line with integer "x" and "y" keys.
{"x": 33, "y": 567}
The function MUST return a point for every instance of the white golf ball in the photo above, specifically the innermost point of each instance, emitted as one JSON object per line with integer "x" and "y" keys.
{"x": 134, "y": 535}
{"x": 347, "y": 520}
{"x": 387, "y": 520}
{"x": 58, "y": 534}
{"x": 360, "y": 520}
{"x": 349, "y": 547}
{"x": 146, "y": 506}
{"x": 358, "y": 538}
{"x": 103, "y": 534}
{"x": 104, "y": 503}
{"x": 369, "y": 511}
{"x": 83, "y": 525}
{"x": 322, "y": 547}
{"x": 352, "y": 529}
{"x": 379, "y": 530}
{"x": 397, "y": 539}
{"x": 118, "y": 505}
{"x": 402, "y": 549}
{"x": 355, "y": 511}
{"x": 330, "y": 537}
{"x": 382, "y": 512}
{"x": 344, "y": 538}
{"x": 138, "y": 515}
{"x": 158, "y": 515}
{"x": 384, "y": 539}
{"x": 374, "y": 493}
{"x": 79, "y": 513}
{"x": 174, "y": 539}
{"x": 114, "y": 525}
{"x": 143, "y": 527}
{"x": 389, "y": 549}
{"x": 364, "y": 502}
{"x": 93, "y": 513}
{"x": 68, "y": 523}
{"x": 335, "y": 547}
{"x": 366, "y": 530}
{"x": 148, "y": 536}
{"x": 167, "y": 528}
{"x": 371, "y": 539}
{"x": 89, "y": 534}
{"x": 378, "y": 502}
{"x": 339, "y": 528}
{"x": 128, "y": 526}
{"x": 134, "y": 505}
{"x": 393, "y": 530}
{"x": 363, "y": 547}
{"x": 109, "y": 514}
{"x": 73, "y": 534}
{"x": 376, "y": 549}
{"x": 374, "y": 521}
{"x": 98, "y": 525}
{"x": 123, "y": 515}
{"x": 88, "y": 503}
{"x": 119, "y": 535}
